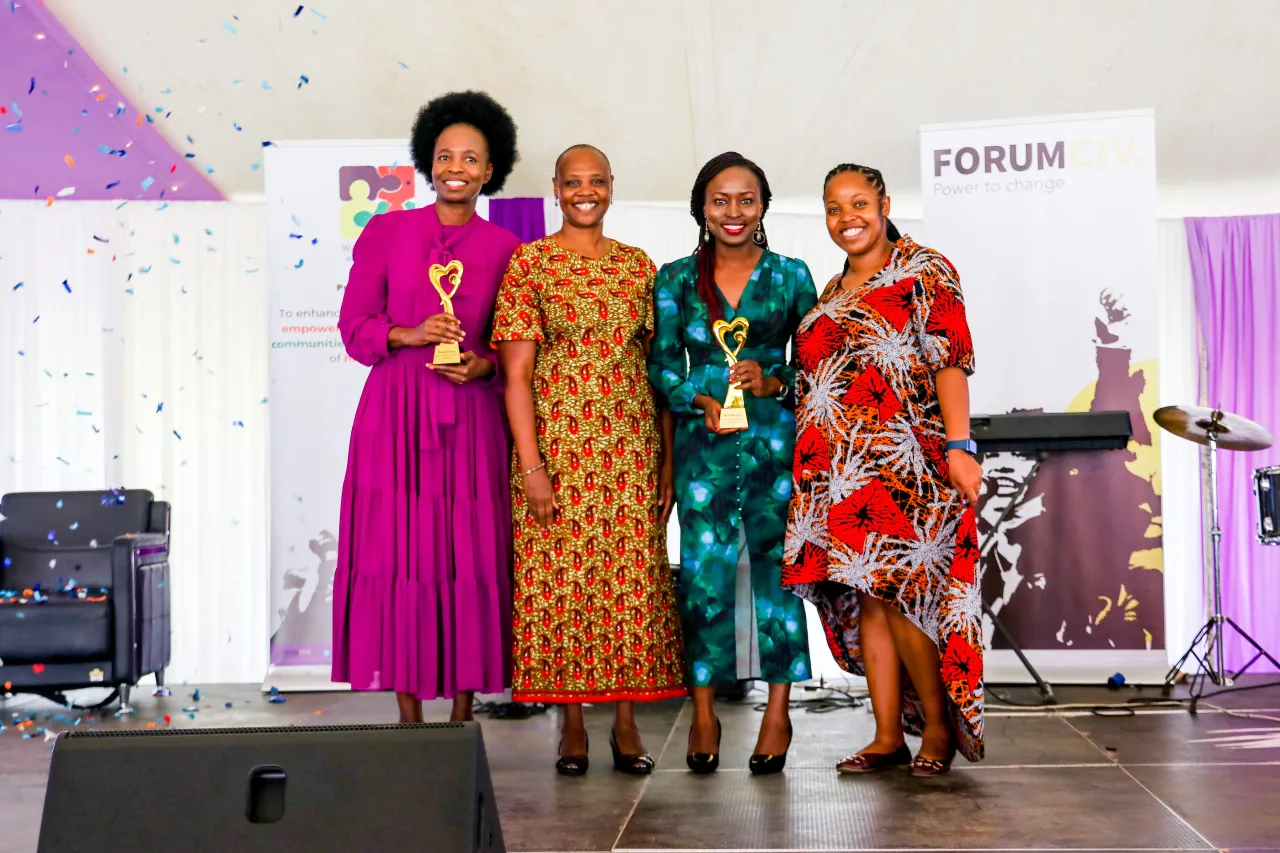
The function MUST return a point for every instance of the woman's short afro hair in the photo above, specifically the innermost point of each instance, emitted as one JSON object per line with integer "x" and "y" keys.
{"x": 481, "y": 112}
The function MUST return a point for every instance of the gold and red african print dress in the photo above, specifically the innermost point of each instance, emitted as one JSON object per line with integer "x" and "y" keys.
{"x": 594, "y": 602}
{"x": 872, "y": 505}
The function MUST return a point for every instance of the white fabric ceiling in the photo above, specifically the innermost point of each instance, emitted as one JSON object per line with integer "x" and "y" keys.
{"x": 662, "y": 85}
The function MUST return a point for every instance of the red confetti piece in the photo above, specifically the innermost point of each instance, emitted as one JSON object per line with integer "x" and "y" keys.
{"x": 173, "y": 168}
{"x": 37, "y": 668}
{"x": 167, "y": 721}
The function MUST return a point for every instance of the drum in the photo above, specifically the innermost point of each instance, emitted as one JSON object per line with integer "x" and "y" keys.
{"x": 1266, "y": 485}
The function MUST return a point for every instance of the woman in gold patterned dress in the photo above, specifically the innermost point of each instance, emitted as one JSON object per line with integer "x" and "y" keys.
{"x": 595, "y": 617}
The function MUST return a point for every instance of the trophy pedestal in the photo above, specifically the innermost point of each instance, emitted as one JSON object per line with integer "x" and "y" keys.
{"x": 733, "y": 418}
{"x": 447, "y": 354}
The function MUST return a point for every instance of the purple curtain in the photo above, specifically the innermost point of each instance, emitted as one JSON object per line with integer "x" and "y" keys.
{"x": 523, "y": 217}
{"x": 1235, "y": 262}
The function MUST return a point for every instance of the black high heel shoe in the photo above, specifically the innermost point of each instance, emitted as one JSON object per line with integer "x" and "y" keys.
{"x": 762, "y": 764}
{"x": 633, "y": 765}
{"x": 705, "y": 762}
{"x": 573, "y": 765}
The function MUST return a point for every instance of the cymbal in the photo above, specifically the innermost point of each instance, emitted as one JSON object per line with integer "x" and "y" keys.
{"x": 1196, "y": 423}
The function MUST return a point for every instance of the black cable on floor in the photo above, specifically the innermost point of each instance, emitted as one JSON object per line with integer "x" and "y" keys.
{"x": 508, "y": 710}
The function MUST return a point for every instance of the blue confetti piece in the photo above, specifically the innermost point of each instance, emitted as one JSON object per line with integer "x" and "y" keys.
{"x": 236, "y": 126}
{"x": 176, "y": 435}
{"x": 159, "y": 109}
{"x": 196, "y": 696}
{"x": 208, "y": 231}
{"x": 303, "y": 80}
{"x": 166, "y": 91}
{"x": 402, "y": 65}
{"x": 147, "y": 182}
{"x": 63, "y": 461}
{"x": 320, "y": 16}
{"x": 295, "y": 236}
{"x": 66, "y": 286}
{"x": 226, "y": 25}
{"x": 83, "y": 414}
{"x": 75, "y": 525}
{"x": 229, "y": 705}
{"x": 59, "y": 503}
{"x": 266, "y": 85}
{"x": 174, "y": 261}
{"x": 113, "y": 185}
{"x": 189, "y": 156}
{"x": 13, "y": 128}
{"x": 297, "y": 12}
{"x": 16, "y": 110}
{"x": 22, "y": 352}
{"x": 255, "y": 167}
{"x": 298, "y": 265}
{"x": 264, "y": 400}
{"x": 208, "y": 170}
{"x": 37, "y": 319}
{"x": 159, "y": 408}
{"x": 101, "y": 239}
{"x": 267, "y": 143}
{"x": 51, "y": 535}
{"x": 277, "y": 700}
{"x": 238, "y": 424}
{"x": 32, "y": 87}
{"x": 125, "y": 69}
{"x": 129, "y": 290}
{"x": 16, "y": 286}
{"x": 176, "y": 239}
{"x": 315, "y": 240}
{"x": 145, "y": 270}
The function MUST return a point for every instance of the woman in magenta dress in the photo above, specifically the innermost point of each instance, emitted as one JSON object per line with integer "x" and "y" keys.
{"x": 422, "y": 595}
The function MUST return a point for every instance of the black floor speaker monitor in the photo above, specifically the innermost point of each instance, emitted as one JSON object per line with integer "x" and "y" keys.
{"x": 320, "y": 789}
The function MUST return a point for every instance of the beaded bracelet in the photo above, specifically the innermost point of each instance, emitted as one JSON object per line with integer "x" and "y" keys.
{"x": 524, "y": 474}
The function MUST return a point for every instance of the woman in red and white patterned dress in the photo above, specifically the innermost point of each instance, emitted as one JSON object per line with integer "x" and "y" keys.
{"x": 881, "y": 532}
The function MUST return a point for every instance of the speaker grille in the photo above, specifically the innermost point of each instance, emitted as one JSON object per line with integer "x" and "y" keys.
{"x": 271, "y": 730}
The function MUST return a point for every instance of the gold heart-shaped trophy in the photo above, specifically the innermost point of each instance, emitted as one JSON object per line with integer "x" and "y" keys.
{"x": 446, "y": 353}
{"x": 733, "y": 415}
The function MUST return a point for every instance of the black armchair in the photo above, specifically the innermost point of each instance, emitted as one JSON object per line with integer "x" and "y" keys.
{"x": 84, "y": 592}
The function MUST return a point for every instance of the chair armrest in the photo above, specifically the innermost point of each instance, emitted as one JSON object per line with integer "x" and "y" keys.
{"x": 158, "y": 522}
{"x": 140, "y": 603}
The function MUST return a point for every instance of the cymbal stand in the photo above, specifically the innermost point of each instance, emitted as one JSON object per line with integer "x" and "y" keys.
{"x": 1210, "y": 662}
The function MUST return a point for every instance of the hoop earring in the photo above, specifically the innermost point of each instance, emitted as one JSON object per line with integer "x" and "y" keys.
{"x": 758, "y": 237}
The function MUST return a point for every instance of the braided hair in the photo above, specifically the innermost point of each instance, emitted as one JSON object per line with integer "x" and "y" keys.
{"x": 706, "y": 251}
{"x": 876, "y": 180}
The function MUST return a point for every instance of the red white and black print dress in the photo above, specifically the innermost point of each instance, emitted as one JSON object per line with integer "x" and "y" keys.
{"x": 872, "y": 505}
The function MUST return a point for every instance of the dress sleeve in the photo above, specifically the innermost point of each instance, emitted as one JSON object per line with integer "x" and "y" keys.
{"x": 363, "y": 320}
{"x": 945, "y": 339}
{"x": 646, "y": 306}
{"x": 517, "y": 314}
{"x": 668, "y": 366}
{"x": 803, "y": 296}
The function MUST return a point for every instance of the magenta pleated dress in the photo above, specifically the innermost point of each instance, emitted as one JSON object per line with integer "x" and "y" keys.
{"x": 422, "y": 594}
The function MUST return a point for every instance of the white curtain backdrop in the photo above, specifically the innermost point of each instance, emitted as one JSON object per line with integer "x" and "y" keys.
{"x": 152, "y": 373}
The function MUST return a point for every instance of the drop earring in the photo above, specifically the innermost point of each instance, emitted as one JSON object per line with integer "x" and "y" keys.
{"x": 706, "y": 234}
{"x": 758, "y": 237}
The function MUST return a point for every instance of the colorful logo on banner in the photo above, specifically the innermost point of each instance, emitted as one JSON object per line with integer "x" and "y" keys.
{"x": 367, "y": 191}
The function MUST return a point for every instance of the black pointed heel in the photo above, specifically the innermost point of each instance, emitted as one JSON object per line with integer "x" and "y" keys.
{"x": 762, "y": 764}
{"x": 633, "y": 765}
{"x": 573, "y": 765}
{"x": 705, "y": 762}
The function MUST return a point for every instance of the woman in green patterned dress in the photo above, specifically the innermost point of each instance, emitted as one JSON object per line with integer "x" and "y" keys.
{"x": 732, "y": 486}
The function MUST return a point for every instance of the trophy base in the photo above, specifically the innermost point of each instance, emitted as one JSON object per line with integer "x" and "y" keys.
{"x": 734, "y": 418}
{"x": 447, "y": 354}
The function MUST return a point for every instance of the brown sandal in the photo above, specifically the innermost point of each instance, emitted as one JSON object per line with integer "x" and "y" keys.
{"x": 871, "y": 762}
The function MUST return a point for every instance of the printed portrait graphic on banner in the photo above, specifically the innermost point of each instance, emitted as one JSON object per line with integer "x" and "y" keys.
{"x": 321, "y": 196}
{"x": 1052, "y": 224}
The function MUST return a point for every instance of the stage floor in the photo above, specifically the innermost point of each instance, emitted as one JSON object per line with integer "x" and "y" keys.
{"x": 1071, "y": 780}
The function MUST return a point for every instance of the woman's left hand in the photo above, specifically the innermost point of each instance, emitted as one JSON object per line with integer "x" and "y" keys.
{"x": 472, "y": 367}
{"x": 748, "y": 376}
{"x": 966, "y": 474}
